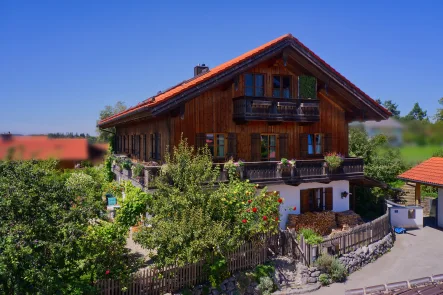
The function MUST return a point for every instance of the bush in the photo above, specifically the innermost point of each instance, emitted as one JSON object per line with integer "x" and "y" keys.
{"x": 218, "y": 272}
{"x": 127, "y": 164}
{"x": 338, "y": 271}
{"x": 137, "y": 170}
{"x": 311, "y": 237}
{"x": 266, "y": 286}
{"x": 263, "y": 270}
{"x": 324, "y": 262}
{"x": 324, "y": 279}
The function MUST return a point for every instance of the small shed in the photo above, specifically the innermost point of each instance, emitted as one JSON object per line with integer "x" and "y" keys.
{"x": 429, "y": 172}
{"x": 405, "y": 216}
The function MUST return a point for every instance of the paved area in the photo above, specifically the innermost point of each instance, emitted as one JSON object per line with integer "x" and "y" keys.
{"x": 414, "y": 255}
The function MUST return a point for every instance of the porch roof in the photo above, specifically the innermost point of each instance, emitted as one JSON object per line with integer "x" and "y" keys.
{"x": 429, "y": 172}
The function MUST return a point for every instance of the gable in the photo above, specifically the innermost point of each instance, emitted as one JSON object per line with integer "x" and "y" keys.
{"x": 286, "y": 47}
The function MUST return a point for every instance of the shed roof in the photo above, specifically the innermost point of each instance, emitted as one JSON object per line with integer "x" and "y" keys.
{"x": 429, "y": 172}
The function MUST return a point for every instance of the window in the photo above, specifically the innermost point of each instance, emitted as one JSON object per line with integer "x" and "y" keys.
{"x": 155, "y": 146}
{"x": 281, "y": 86}
{"x": 411, "y": 214}
{"x": 254, "y": 85}
{"x": 317, "y": 199}
{"x": 315, "y": 144}
{"x": 268, "y": 147}
{"x": 217, "y": 144}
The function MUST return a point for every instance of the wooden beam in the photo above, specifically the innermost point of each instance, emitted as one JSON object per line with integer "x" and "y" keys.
{"x": 417, "y": 194}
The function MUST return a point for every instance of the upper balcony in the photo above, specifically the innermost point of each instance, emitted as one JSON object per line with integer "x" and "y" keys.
{"x": 247, "y": 108}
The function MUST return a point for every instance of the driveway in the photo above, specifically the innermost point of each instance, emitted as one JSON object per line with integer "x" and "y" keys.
{"x": 414, "y": 255}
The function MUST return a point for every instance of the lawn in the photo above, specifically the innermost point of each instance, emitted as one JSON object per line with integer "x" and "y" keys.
{"x": 414, "y": 154}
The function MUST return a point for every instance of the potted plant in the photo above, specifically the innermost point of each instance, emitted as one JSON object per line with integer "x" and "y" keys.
{"x": 240, "y": 164}
{"x": 333, "y": 161}
{"x": 138, "y": 172}
{"x": 283, "y": 167}
{"x": 292, "y": 162}
{"x": 126, "y": 165}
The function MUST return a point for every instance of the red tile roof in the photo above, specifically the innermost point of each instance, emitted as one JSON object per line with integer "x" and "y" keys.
{"x": 179, "y": 88}
{"x": 428, "y": 172}
{"x": 43, "y": 148}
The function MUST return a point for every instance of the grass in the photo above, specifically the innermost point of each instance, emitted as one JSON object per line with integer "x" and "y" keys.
{"x": 415, "y": 154}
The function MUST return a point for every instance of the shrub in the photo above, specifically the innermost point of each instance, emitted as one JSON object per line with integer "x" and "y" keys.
{"x": 338, "y": 271}
{"x": 324, "y": 279}
{"x": 324, "y": 262}
{"x": 243, "y": 280}
{"x": 263, "y": 270}
{"x": 218, "y": 272}
{"x": 266, "y": 286}
{"x": 137, "y": 170}
{"x": 334, "y": 160}
{"x": 311, "y": 237}
{"x": 126, "y": 164}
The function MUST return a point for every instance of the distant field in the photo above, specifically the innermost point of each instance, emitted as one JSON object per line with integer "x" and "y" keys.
{"x": 414, "y": 154}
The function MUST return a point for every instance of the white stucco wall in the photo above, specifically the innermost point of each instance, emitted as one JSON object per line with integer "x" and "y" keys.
{"x": 291, "y": 197}
{"x": 399, "y": 217}
{"x": 440, "y": 207}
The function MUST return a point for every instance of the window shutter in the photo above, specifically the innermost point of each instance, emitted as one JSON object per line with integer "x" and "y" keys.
{"x": 152, "y": 146}
{"x": 200, "y": 141}
{"x": 303, "y": 140}
{"x": 304, "y": 201}
{"x": 158, "y": 146}
{"x": 327, "y": 143}
{"x": 255, "y": 147}
{"x": 283, "y": 140}
{"x": 232, "y": 146}
{"x": 145, "y": 143}
{"x": 328, "y": 199}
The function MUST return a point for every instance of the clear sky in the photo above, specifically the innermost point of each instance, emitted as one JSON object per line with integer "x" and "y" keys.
{"x": 61, "y": 62}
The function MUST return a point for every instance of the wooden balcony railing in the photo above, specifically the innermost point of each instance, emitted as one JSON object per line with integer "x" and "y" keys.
{"x": 275, "y": 109}
{"x": 267, "y": 172}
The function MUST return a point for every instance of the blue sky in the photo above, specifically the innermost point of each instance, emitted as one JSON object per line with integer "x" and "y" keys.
{"x": 61, "y": 62}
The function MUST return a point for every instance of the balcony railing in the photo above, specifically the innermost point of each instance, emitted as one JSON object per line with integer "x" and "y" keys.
{"x": 276, "y": 109}
{"x": 267, "y": 172}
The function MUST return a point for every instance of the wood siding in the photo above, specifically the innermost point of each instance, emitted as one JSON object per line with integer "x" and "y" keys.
{"x": 212, "y": 112}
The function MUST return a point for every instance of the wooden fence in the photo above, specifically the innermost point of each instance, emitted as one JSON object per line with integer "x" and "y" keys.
{"x": 359, "y": 236}
{"x": 154, "y": 281}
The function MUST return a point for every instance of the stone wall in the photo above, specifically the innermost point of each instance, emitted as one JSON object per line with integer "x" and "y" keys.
{"x": 362, "y": 256}
{"x": 309, "y": 275}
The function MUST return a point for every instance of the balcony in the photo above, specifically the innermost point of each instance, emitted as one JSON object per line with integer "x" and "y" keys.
{"x": 267, "y": 172}
{"x": 276, "y": 109}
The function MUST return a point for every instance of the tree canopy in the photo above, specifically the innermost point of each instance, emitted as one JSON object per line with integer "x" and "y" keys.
{"x": 417, "y": 113}
{"x": 107, "y": 112}
{"x": 439, "y": 115}
{"x": 391, "y": 106}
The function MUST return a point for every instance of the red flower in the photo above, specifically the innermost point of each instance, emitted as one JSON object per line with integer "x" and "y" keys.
{"x": 107, "y": 271}
{"x": 280, "y": 200}
{"x": 249, "y": 201}
{"x": 248, "y": 210}
{"x": 244, "y": 221}
{"x": 276, "y": 218}
{"x": 254, "y": 209}
{"x": 295, "y": 208}
{"x": 265, "y": 217}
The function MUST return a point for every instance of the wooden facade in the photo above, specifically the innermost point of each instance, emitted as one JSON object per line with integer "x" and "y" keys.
{"x": 212, "y": 112}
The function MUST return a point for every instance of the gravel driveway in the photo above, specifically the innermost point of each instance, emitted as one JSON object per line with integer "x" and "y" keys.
{"x": 414, "y": 255}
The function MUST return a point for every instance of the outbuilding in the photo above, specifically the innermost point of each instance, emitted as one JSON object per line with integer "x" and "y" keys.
{"x": 429, "y": 172}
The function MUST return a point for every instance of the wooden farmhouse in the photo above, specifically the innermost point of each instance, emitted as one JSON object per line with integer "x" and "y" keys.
{"x": 279, "y": 100}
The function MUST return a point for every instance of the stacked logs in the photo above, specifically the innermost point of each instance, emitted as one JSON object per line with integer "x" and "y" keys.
{"x": 321, "y": 222}
{"x": 347, "y": 219}
{"x": 324, "y": 223}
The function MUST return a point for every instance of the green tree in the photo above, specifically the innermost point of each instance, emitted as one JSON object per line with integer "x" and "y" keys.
{"x": 390, "y": 106}
{"x": 193, "y": 218}
{"x": 109, "y": 110}
{"x": 48, "y": 223}
{"x": 439, "y": 115}
{"x": 417, "y": 113}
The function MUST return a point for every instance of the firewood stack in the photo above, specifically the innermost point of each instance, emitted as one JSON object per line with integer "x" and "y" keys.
{"x": 348, "y": 219}
{"x": 321, "y": 222}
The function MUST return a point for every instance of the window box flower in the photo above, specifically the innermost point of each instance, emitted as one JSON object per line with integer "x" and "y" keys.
{"x": 333, "y": 161}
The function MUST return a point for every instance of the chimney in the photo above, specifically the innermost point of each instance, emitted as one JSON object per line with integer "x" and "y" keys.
{"x": 200, "y": 69}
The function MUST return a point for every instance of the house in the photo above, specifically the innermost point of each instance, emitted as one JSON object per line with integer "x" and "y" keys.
{"x": 279, "y": 100}
{"x": 429, "y": 172}
{"x": 68, "y": 151}
{"x": 391, "y": 127}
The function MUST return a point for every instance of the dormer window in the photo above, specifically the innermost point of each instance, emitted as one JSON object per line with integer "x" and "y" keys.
{"x": 254, "y": 84}
{"x": 281, "y": 86}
